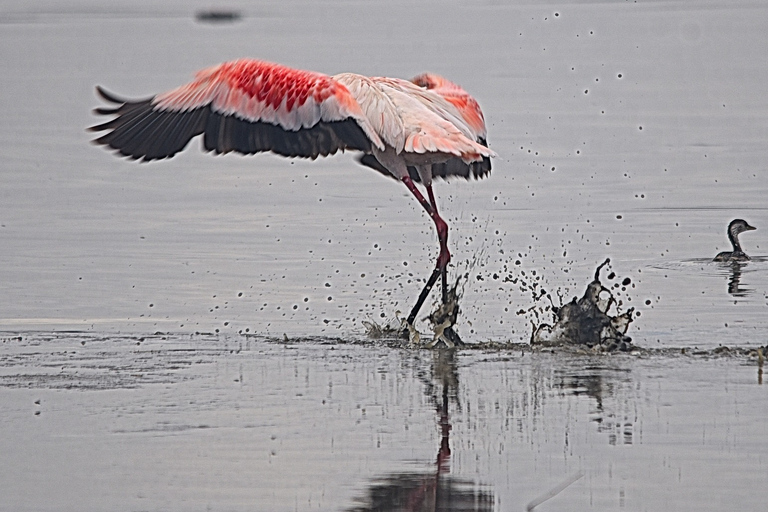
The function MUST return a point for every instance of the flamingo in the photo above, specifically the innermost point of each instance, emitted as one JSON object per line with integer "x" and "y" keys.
{"x": 413, "y": 130}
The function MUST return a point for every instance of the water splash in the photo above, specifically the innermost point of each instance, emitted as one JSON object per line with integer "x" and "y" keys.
{"x": 594, "y": 320}
{"x": 443, "y": 319}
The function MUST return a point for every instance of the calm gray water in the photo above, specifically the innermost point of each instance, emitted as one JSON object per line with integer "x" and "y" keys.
{"x": 634, "y": 131}
{"x": 203, "y": 422}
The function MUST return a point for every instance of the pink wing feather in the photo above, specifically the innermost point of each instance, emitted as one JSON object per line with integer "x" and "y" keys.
{"x": 469, "y": 111}
{"x": 466, "y": 105}
{"x": 426, "y": 121}
{"x": 246, "y": 106}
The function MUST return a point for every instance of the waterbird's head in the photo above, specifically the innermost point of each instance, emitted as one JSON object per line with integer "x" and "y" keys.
{"x": 739, "y": 226}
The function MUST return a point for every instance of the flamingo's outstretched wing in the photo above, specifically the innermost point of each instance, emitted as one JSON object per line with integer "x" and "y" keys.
{"x": 247, "y": 106}
{"x": 472, "y": 116}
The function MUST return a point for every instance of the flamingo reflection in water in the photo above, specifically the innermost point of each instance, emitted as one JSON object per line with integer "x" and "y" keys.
{"x": 434, "y": 490}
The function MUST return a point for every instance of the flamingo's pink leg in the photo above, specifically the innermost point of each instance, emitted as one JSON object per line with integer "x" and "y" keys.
{"x": 442, "y": 234}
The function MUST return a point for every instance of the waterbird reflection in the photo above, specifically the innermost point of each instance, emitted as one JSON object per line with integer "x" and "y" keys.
{"x": 598, "y": 383}
{"x": 734, "y": 281}
{"x": 434, "y": 490}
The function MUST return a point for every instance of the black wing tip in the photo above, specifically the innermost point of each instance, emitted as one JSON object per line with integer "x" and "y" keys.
{"x": 142, "y": 159}
{"x": 100, "y": 127}
{"x": 105, "y": 111}
{"x": 114, "y": 99}
{"x": 108, "y": 96}
{"x": 482, "y": 168}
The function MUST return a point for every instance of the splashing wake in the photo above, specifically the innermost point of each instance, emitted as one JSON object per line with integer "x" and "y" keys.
{"x": 588, "y": 321}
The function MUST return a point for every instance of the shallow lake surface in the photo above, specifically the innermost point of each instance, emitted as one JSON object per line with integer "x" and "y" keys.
{"x": 634, "y": 131}
{"x": 205, "y": 422}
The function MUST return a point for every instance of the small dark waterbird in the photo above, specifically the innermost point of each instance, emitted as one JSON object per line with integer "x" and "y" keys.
{"x": 413, "y": 130}
{"x": 736, "y": 227}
